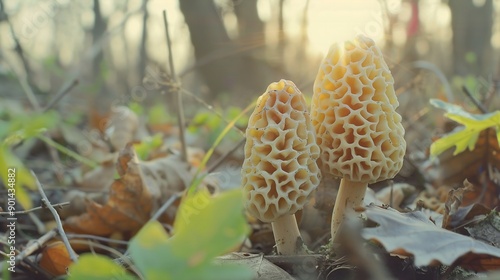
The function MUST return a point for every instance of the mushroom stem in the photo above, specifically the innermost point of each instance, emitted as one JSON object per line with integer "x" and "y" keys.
{"x": 350, "y": 195}
{"x": 287, "y": 235}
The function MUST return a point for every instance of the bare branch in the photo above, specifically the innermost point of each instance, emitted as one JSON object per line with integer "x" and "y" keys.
{"x": 72, "y": 255}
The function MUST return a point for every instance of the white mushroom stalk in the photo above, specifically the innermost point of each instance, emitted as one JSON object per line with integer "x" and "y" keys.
{"x": 280, "y": 171}
{"x": 357, "y": 127}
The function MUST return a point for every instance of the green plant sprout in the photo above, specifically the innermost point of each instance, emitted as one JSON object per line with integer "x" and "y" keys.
{"x": 213, "y": 123}
{"x": 467, "y": 136}
{"x": 197, "y": 178}
{"x": 146, "y": 146}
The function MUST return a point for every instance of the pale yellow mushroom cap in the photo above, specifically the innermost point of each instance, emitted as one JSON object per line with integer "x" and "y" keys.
{"x": 353, "y": 112}
{"x": 280, "y": 171}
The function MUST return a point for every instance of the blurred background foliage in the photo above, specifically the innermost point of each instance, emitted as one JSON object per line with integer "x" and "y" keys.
{"x": 228, "y": 51}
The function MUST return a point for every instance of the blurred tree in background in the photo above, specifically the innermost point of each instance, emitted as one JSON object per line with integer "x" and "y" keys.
{"x": 472, "y": 25}
{"x": 227, "y": 51}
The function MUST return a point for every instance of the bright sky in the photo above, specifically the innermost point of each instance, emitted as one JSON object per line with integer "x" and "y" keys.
{"x": 340, "y": 20}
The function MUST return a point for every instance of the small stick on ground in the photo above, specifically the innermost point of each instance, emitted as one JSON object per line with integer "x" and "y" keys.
{"x": 224, "y": 156}
{"x": 164, "y": 207}
{"x": 59, "y": 205}
{"x": 95, "y": 237}
{"x": 36, "y": 245}
{"x": 176, "y": 92}
{"x": 72, "y": 255}
{"x": 62, "y": 92}
{"x": 478, "y": 104}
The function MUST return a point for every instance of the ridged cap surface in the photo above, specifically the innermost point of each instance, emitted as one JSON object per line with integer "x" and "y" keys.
{"x": 280, "y": 170}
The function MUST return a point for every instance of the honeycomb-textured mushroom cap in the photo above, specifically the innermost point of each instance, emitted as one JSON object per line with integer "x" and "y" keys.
{"x": 280, "y": 170}
{"x": 353, "y": 112}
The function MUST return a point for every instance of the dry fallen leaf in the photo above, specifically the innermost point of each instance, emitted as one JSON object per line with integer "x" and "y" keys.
{"x": 414, "y": 234}
{"x": 477, "y": 166}
{"x": 453, "y": 202}
{"x": 55, "y": 259}
{"x": 140, "y": 191}
{"x": 452, "y": 169}
{"x": 468, "y": 214}
{"x": 78, "y": 202}
{"x": 121, "y": 127}
{"x": 99, "y": 178}
{"x": 487, "y": 230}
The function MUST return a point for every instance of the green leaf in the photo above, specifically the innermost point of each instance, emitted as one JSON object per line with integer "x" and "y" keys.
{"x": 205, "y": 228}
{"x": 33, "y": 124}
{"x": 97, "y": 267}
{"x": 220, "y": 219}
{"x": 147, "y": 145}
{"x": 465, "y": 138}
{"x": 136, "y": 108}
{"x": 201, "y": 118}
{"x": 158, "y": 115}
{"x": 151, "y": 253}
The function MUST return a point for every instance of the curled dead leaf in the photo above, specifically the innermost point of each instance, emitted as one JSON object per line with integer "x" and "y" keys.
{"x": 55, "y": 259}
{"x": 453, "y": 202}
{"x": 121, "y": 127}
{"x": 135, "y": 197}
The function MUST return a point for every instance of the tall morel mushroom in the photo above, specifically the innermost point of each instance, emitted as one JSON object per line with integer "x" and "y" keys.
{"x": 357, "y": 127}
{"x": 280, "y": 171}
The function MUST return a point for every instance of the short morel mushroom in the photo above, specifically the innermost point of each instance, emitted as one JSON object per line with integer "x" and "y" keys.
{"x": 357, "y": 127}
{"x": 280, "y": 170}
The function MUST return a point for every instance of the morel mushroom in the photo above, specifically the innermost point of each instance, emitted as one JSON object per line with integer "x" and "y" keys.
{"x": 280, "y": 170}
{"x": 357, "y": 127}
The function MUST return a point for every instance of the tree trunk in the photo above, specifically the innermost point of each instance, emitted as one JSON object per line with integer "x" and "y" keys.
{"x": 142, "y": 50}
{"x": 472, "y": 30}
{"x": 252, "y": 42}
{"x": 97, "y": 32}
{"x": 211, "y": 43}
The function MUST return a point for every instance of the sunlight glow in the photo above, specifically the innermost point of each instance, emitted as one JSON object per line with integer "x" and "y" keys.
{"x": 340, "y": 20}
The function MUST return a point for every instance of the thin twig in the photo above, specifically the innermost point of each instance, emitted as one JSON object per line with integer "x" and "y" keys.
{"x": 36, "y": 245}
{"x": 18, "y": 48}
{"x": 23, "y": 81}
{"x": 211, "y": 108}
{"x": 474, "y": 100}
{"x": 52, "y": 143}
{"x": 95, "y": 237}
{"x": 221, "y": 159}
{"x": 164, "y": 207}
{"x": 72, "y": 255}
{"x": 65, "y": 90}
{"x": 176, "y": 91}
{"x": 60, "y": 205}
{"x": 40, "y": 226}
